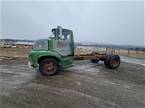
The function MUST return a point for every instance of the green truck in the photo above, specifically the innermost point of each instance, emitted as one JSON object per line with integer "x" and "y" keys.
{"x": 49, "y": 55}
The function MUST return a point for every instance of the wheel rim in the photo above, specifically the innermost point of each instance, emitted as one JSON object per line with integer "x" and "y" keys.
{"x": 49, "y": 68}
{"x": 115, "y": 63}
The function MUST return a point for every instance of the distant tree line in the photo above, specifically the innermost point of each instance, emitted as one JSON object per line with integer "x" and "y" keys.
{"x": 137, "y": 49}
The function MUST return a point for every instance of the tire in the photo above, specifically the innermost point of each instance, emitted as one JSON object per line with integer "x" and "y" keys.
{"x": 112, "y": 61}
{"x": 48, "y": 67}
{"x": 106, "y": 61}
{"x": 94, "y": 60}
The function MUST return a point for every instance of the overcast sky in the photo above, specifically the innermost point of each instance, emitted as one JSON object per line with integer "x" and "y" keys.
{"x": 109, "y": 22}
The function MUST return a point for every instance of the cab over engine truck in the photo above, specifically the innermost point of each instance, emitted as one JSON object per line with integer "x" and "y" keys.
{"x": 49, "y": 55}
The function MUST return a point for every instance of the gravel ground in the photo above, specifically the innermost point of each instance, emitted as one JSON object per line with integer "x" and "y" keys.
{"x": 86, "y": 85}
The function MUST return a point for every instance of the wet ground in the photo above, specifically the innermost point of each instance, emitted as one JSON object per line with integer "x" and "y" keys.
{"x": 133, "y": 60}
{"x": 86, "y": 85}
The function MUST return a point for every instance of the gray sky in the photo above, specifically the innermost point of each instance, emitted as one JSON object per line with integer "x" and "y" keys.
{"x": 109, "y": 22}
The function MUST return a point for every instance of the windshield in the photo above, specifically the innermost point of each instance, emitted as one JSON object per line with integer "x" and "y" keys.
{"x": 41, "y": 44}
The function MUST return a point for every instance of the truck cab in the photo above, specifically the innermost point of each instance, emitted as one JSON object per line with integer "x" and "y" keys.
{"x": 49, "y": 55}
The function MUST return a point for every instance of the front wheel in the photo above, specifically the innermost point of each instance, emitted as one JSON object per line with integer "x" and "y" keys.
{"x": 48, "y": 67}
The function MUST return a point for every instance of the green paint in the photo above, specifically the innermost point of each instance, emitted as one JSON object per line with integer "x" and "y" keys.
{"x": 60, "y": 47}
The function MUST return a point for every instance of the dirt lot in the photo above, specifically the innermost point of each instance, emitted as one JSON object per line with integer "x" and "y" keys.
{"x": 86, "y": 85}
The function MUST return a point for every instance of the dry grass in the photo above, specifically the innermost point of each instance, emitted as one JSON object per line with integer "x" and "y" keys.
{"x": 14, "y": 52}
{"x": 86, "y": 50}
{"x": 136, "y": 54}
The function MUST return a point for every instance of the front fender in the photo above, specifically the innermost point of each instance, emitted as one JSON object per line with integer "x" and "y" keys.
{"x": 35, "y": 55}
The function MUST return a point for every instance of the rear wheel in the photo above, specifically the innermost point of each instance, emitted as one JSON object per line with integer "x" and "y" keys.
{"x": 48, "y": 67}
{"x": 106, "y": 61}
{"x": 112, "y": 61}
